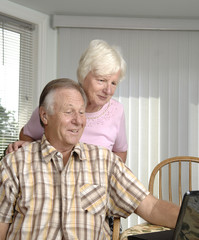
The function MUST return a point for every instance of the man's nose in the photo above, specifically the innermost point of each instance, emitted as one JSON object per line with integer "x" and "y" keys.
{"x": 77, "y": 118}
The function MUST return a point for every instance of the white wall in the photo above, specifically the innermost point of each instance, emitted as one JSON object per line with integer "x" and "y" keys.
{"x": 46, "y": 57}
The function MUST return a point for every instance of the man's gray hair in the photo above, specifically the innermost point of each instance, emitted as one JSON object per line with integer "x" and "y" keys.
{"x": 47, "y": 96}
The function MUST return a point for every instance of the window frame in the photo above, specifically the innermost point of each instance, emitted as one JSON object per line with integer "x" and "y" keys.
{"x": 25, "y": 77}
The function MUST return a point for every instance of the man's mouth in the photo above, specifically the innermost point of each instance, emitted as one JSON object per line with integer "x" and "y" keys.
{"x": 75, "y": 130}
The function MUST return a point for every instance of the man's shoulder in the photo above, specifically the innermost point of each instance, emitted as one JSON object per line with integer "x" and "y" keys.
{"x": 27, "y": 147}
{"x": 91, "y": 147}
{"x": 17, "y": 159}
{"x": 32, "y": 146}
{"x": 98, "y": 152}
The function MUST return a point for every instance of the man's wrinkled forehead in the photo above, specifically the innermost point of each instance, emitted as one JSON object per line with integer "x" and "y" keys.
{"x": 69, "y": 98}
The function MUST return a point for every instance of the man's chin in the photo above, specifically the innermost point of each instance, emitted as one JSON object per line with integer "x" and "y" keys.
{"x": 74, "y": 140}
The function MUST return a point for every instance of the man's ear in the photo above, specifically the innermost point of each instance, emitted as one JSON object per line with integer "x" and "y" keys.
{"x": 43, "y": 115}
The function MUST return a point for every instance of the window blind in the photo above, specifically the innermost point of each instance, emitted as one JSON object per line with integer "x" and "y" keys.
{"x": 16, "y": 77}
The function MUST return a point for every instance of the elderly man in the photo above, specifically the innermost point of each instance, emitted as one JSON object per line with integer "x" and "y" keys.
{"x": 58, "y": 188}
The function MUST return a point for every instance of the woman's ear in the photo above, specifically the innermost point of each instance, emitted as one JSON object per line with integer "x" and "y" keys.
{"x": 43, "y": 115}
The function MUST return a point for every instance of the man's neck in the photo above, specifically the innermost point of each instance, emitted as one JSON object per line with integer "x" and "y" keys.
{"x": 66, "y": 156}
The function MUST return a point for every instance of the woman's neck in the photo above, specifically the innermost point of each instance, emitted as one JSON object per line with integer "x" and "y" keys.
{"x": 91, "y": 109}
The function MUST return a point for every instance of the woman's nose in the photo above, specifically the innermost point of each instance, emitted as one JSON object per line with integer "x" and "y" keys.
{"x": 108, "y": 89}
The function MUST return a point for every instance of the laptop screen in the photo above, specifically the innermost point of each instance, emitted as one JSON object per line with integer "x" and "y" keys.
{"x": 187, "y": 226}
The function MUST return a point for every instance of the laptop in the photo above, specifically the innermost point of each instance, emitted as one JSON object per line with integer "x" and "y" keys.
{"x": 187, "y": 226}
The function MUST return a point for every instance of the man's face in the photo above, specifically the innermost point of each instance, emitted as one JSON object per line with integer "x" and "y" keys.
{"x": 64, "y": 128}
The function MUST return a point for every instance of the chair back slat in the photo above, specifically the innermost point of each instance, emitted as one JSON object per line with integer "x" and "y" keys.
{"x": 180, "y": 183}
{"x": 190, "y": 175}
{"x": 160, "y": 184}
{"x": 170, "y": 188}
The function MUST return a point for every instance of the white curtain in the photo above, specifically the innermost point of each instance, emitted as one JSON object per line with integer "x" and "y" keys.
{"x": 160, "y": 92}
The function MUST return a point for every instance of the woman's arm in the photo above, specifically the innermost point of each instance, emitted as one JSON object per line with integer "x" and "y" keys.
{"x": 32, "y": 129}
{"x": 24, "y": 137}
{"x": 120, "y": 146}
{"x": 122, "y": 155}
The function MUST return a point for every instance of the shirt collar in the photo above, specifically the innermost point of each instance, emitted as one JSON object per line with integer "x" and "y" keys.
{"x": 48, "y": 151}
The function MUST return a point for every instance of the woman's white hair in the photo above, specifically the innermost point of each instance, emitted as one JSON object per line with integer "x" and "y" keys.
{"x": 101, "y": 59}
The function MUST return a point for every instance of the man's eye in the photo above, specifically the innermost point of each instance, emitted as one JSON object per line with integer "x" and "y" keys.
{"x": 82, "y": 112}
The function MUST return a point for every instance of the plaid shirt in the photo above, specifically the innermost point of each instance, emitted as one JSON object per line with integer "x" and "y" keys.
{"x": 42, "y": 199}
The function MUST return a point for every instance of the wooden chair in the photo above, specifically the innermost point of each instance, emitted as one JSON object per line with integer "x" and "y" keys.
{"x": 170, "y": 162}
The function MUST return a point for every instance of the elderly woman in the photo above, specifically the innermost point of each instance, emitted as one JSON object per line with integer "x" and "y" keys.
{"x": 100, "y": 70}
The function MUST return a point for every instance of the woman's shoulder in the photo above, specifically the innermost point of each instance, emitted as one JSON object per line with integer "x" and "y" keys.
{"x": 116, "y": 105}
{"x": 116, "y": 102}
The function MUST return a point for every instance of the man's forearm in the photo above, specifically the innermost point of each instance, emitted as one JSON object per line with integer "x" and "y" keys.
{"x": 158, "y": 212}
{"x": 3, "y": 230}
{"x": 165, "y": 213}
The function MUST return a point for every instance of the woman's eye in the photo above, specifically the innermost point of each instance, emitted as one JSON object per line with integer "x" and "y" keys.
{"x": 114, "y": 83}
{"x": 101, "y": 80}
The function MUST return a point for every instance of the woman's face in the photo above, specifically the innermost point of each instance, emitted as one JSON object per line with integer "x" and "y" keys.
{"x": 99, "y": 89}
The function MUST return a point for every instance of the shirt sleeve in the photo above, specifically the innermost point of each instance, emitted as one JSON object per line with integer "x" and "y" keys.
{"x": 8, "y": 192}
{"x": 126, "y": 190}
{"x": 33, "y": 127}
{"x": 121, "y": 144}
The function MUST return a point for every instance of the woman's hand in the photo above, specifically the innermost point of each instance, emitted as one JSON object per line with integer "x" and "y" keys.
{"x": 15, "y": 146}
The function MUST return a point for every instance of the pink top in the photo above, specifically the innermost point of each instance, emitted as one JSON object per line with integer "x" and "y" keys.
{"x": 105, "y": 128}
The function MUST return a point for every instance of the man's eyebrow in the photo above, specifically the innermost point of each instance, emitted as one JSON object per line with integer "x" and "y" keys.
{"x": 68, "y": 105}
{"x": 71, "y": 105}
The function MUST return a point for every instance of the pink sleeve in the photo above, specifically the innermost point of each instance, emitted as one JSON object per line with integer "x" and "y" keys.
{"x": 33, "y": 127}
{"x": 121, "y": 144}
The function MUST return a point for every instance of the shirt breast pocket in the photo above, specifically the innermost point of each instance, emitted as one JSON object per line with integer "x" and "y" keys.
{"x": 93, "y": 198}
